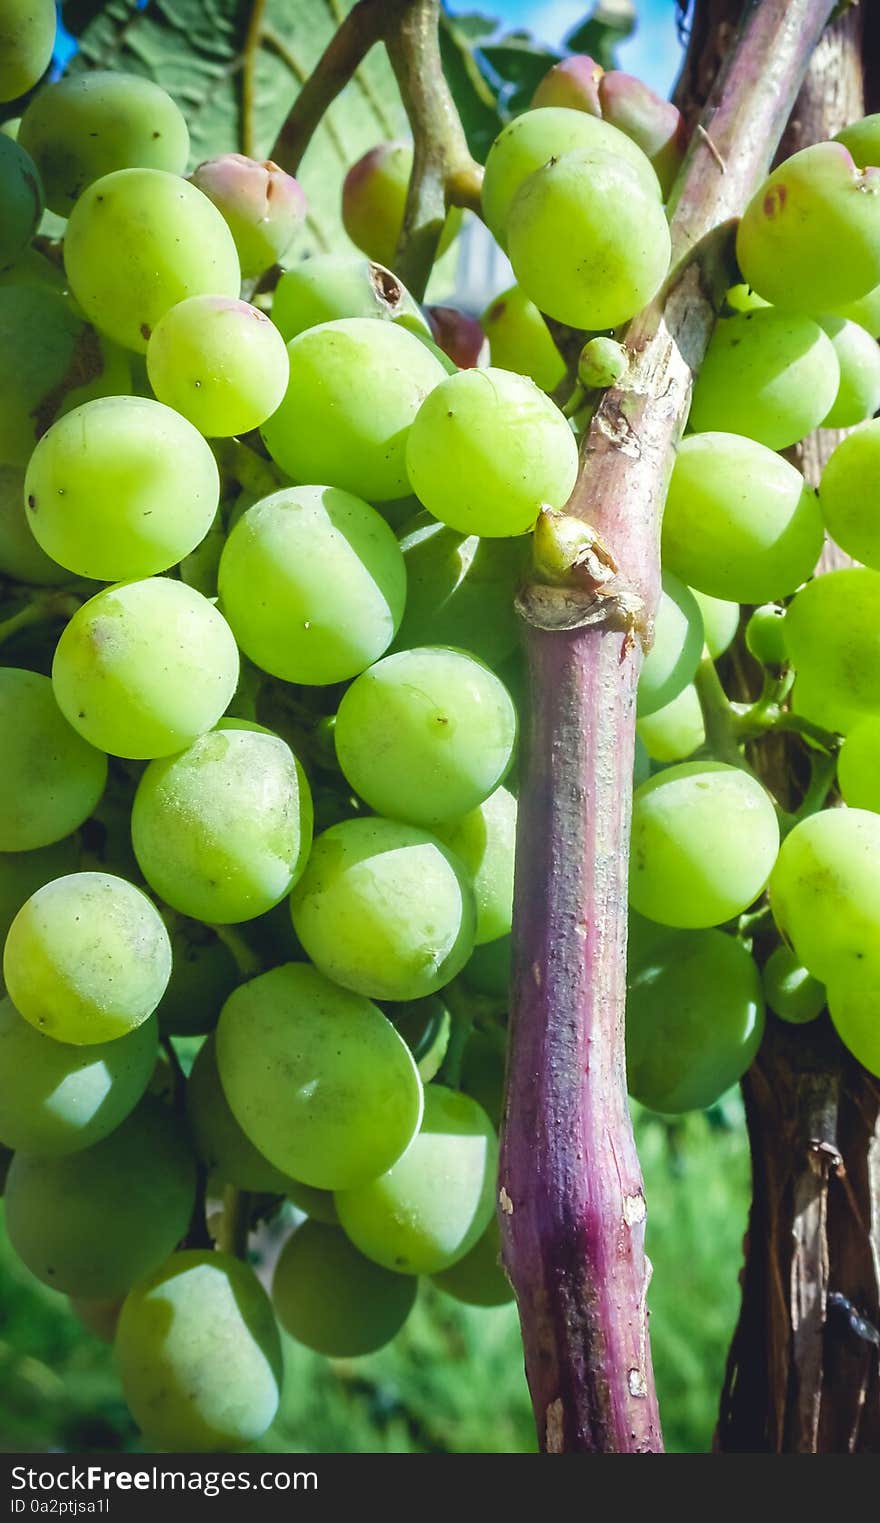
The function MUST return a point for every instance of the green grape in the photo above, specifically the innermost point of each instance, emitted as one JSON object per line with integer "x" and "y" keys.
{"x": 740, "y": 522}
{"x": 58, "y": 1098}
{"x": 676, "y": 731}
{"x": 862, "y": 139}
{"x": 482, "y": 1068}
{"x": 588, "y": 242}
{"x": 720, "y": 622}
{"x": 263, "y": 207}
{"x": 694, "y": 1021}
{"x": 485, "y": 840}
{"x": 765, "y": 635}
{"x": 318, "y": 1205}
{"x": 139, "y": 241}
{"x": 478, "y": 1279}
{"x": 20, "y": 556}
{"x": 433, "y": 1204}
{"x": 88, "y": 125}
{"x": 769, "y": 375}
{"x": 93, "y": 1223}
{"x": 100, "y": 1318}
{"x": 52, "y": 778}
{"x": 220, "y": 362}
{"x": 317, "y": 1077}
{"x": 144, "y": 667}
{"x": 825, "y": 891}
{"x": 384, "y": 909}
{"x": 854, "y": 1006}
{"x": 832, "y": 630}
{"x": 218, "y": 1139}
{"x": 531, "y": 140}
{"x": 425, "y": 735}
{"x": 199, "y": 1355}
{"x": 329, "y": 286}
{"x": 425, "y": 1025}
{"x": 460, "y": 590}
{"x": 203, "y": 975}
{"x": 374, "y": 199}
{"x": 87, "y": 958}
{"x": 858, "y": 395}
{"x": 488, "y": 450}
{"x": 858, "y": 766}
{"x": 790, "y": 991}
{"x": 704, "y": 838}
{"x": 355, "y": 387}
{"x": 641, "y": 762}
{"x": 865, "y": 312}
{"x": 332, "y": 584}
{"x": 741, "y": 298}
{"x": 33, "y": 269}
{"x": 809, "y": 239}
{"x": 678, "y": 644}
{"x": 121, "y": 487}
{"x": 487, "y": 970}
{"x": 21, "y": 196}
{"x": 332, "y": 1299}
{"x": 846, "y": 494}
{"x": 520, "y": 340}
{"x": 602, "y": 362}
{"x": 23, "y": 872}
{"x": 222, "y": 830}
{"x": 27, "y": 37}
{"x": 51, "y": 360}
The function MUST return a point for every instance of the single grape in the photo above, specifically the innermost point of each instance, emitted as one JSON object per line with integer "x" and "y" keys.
{"x": 384, "y": 909}
{"x": 488, "y": 969}
{"x": 845, "y": 494}
{"x": 858, "y": 766}
{"x": 93, "y": 1223}
{"x": 332, "y": 584}
{"x": 740, "y": 522}
{"x": 858, "y": 395}
{"x": 88, "y": 125}
{"x": 222, "y": 830}
{"x": 27, "y": 37}
{"x": 478, "y": 1279}
{"x": 220, "y": 362}
{"x": 602, "y": 362}
{"x": 329, "y": 286}
{"x": 520, "y": 340}
{"x": 790, "y": 991}
{"x": 485, "y": 840}
{"x": 704, "y": 838}
{"x": 318, "y": 1205}
{"x": 433, "y": 1204}
{"x": 263, "y": 207}
{"x": 425, "y": 735}
{"x": 460, "y": 336}
{"x": 460, "y": 590}
{"x": 765, "y": 635}
{"x": 694, "y": 1021}
{"x": 355, "y": 387}
{"x": 482, "y": 1067}
{"x": 676, "y": 731}
{"x": 770, "y": 375}
{"x": 854, "y": 1006}
{"x": 373, "y": 201}
{"x": 332, "y": 1299}
{"x": 809, "y": 239}
{"x": 199, "y": 1355}
{"x": 588, "y": 243}
{"x": 219, "y": 1141}
{"x": 832, "y": 630}
{"x": 203, "y": 975}
{"x": 825, "y": 891}
{"x": 52, "y": 778}
{"x": 425, "y": 1025}
{"x": 21, "y": 196}
{"x": 573, "y": 82}
{"x": 720, "y": 622}
{"x": 138, "y": 241}
{"x": 678, "y": 644}
{"x": 862, "y": 139}
{"x": 865, "y": 312}
{"x": 655, "y": 124}
{"x": 488, "y": 450}
{"x": 23, "y": 872}
{"x": 641, "y": 761}
{"x": 20, "y": 556}
{"x": 144, "y": 667}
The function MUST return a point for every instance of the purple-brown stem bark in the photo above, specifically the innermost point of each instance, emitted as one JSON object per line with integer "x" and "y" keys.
{"x": 572, "y": 1209}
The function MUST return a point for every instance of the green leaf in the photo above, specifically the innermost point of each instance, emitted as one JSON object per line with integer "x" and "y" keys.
{"x": 610, "y": 24}
{"x": 522, "y": 63}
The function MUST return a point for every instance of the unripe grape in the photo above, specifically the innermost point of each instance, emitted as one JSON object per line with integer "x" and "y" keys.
{"x": 520, "y": 340}
{"x": 676, "y": 731}
{"x": 374, "y": 199}
{"x": 825, "y": 892}
{"x": 865, "y": 312}
{"x": 846, "y": 494}
{"x": 854, "y": 1007}
{"x": 459, "y": 336}
{"x": 765, "y": 635}
{"x": 655, "y": 124}
{"x": 263, "y": 207}
{"x": 332, "y": 1299}
{"x": 478, "y": 1279}
{"x": 21, "y": 196}
{"x": 27, "y": 37}
{"x": 678, "y": 644}
{"x": 791, "y": 992}
{"x": 720, "y": 622}
{"x": 602, "y": 362}
{"x": 858, "y": 766}
{"x": 220, "y": 362}
{"x": 832, "y": 629}
{"x": 858, "y": 355}
{"x": 572, "y": 82}
{"x": 224, "y": 1149}
{"x": 329, "y": 286}
{"x": 862, "y": 138}
{"x": 52, "y": 778}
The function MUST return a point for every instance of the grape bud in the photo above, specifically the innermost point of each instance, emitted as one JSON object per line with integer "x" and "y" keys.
{"x": 263, "y": 207}
{"x": 602, "y": 363}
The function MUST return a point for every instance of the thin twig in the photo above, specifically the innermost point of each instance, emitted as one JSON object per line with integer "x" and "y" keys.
{"x": 363, "y": 26}
{"x": 250, "y": 56}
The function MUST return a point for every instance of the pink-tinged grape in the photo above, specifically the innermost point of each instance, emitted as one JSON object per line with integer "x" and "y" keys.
{"x": 488, "y": 450}
{"x": 331, "y": 580}
{"x": 602, "y": 362}
{"x": 832, "y": 630}
{"x": 573, "y": 82}
{"x": 531, "y": 140}
{"x": 219, "y": 1141}
{"x": 459, "y": 335}
{"x": 655, "y": 124}
{"x": 21, "y": 195}
{"x": 88, "y": 125}
{"x": 478, "y": 1279}
{"x": 199, "y": 1355}
{"x": 327, "y": 287}
{"x": 765, "y": 635}
{"x": 460, "y": 590}
{"x": 317, "y": 1077}
{"x": 355, "y": 387}
{"x": 56, "y": 1097}
{"x": 520, "y": 340}
{"x": 740, "y": 522}
{"x": 858, "y": 355}
{"x": 858, "y": 766}
{"x": 790, "y": 991}
{"x": 825, "y": 891}
{"x": 222, "y": 830}
{"x": 862, "y": 139}
{"x": 27, "y": 37}
{"x": 431, "y": 1206}
{"x": 720, "y": 622}
{"x": 587, "y": 241}
{"x": 676, "y": 731}
{"x": 87, "y": 958}
{"x": 138, "y": 241}
{"x": 425, "y": 735}
{"x": 694, "y": 1021}
{"x": 384, "y": 909}
{"x": 704, "y": 839}
{"x": 93, "y": 1223}
{"x": 374, "y": 198}
{"x": 865, "y": 312}
{"x": 332, "y": 1299}
{"x": 121, "y": 487}
{"x": 220, "y": 362}
{"x": 809, "y": 239}
{"x": 678, "y": 644}
{"x": 20, "y": 556}
{"x": 485, "y": 841}
{"x": 854, "y": 1006}
{"x": 263, "y": 207}
{"x": 144, "y": 667}
{"x": 52, "y": 779}
{"x": 23, "y": 872}
{"x": 769, "y": 375}
{"x": 203, "y": 975}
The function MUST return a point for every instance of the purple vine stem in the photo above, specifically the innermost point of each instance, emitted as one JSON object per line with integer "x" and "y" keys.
{"x": 571, "y": 1202}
